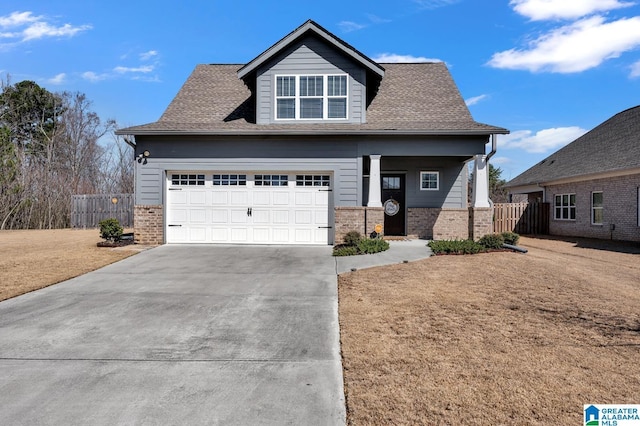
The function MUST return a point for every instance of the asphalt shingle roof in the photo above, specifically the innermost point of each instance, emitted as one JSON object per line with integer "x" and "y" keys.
{"x": 612, "y": 146}
{"x": 421, "y": 98}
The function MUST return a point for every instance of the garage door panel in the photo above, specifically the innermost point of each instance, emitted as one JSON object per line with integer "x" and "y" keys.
{"x": 197, "y": 216}
{"x": 220, "y": 198}
{"x": 304, "y": 198}
{"x": 281, "y": 198}
{"x": 197, "y": 197}
{"x": 280, "y": 217}
{"x": 262, "y": 198}
{"x": 303, "y": 217}
{"x": 239, "y": 198}
{"x": 219, "y": 216}
{"x": 248, "y": 208}
{"x": 239, "y": 216}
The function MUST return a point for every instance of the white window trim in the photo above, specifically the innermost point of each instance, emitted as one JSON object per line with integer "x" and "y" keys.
{"x": 325, "y": 97}
{"x": 593, "y": 209}
{"x": 437, "y": 188}
{"x": 562, "y": 206}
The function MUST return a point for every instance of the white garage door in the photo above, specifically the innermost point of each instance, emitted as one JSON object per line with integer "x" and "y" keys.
{"x": 248, "y": 208}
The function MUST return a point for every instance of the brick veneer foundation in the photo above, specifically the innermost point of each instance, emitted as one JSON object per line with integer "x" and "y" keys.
{"x": 148, "y": 225}
{"x": 353, "y": 219}
{"x": 480, "y": 222}
{"x": 438, "y": 224}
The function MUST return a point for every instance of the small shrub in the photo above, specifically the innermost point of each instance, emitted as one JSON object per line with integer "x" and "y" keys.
{"x": 345, "y": 251}
{"x": 455, "y": 247}
{"x": 372, "y": 245}
{"x": 110, "y": 229}
{"x": 352, "y": 238}
{"x": 511, "y": 238}
{"x": 492, "y": 241}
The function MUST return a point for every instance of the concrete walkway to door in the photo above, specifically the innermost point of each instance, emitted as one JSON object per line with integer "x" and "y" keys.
{"x": 182, "y": 335}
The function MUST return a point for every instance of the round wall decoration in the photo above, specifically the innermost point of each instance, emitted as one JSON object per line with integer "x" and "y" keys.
{"x": 391, "y": 207}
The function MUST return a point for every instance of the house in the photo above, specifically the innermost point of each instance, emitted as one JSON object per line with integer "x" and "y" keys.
{"x": 306, "y": 142}
{"x": 592, "y": 184}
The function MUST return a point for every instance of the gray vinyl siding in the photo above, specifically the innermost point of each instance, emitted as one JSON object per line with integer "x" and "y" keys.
{"x": 452, "y": 192}
{"x": 310, "y": 56}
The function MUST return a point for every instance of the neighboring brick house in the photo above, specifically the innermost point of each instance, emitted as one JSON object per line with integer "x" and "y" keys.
{"x": 592, "y": 184}
{"x": 310, "y": 140}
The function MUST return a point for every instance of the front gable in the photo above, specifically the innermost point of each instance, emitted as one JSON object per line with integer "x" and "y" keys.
{"x": 311, "y": 59}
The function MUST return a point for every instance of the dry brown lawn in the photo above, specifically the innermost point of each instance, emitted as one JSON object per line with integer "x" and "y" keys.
{"x": 34, "y": 259}
{"x": 498, "y": 338}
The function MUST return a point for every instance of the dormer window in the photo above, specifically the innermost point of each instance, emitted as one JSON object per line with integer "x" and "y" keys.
{"x": 311, "y": 97}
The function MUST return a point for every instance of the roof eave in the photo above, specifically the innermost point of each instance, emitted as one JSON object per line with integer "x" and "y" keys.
{"x": 467, "y": 132}
{"x": 318, "y": 30}
{"x": 578, "y": 178}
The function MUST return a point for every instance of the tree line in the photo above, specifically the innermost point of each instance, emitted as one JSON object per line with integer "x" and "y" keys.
{"x": 53, "y": 146}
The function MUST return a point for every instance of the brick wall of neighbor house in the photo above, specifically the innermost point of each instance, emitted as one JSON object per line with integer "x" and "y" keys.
{"x": 480, "y": 222}
{"x": 349, "y": 219}
{"x": 148, "y": 226}
{"x": 620, "y": 208}
{"x": 438, "y": 224}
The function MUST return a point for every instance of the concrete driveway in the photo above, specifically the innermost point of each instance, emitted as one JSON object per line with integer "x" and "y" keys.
{"x": 179, "y": 335}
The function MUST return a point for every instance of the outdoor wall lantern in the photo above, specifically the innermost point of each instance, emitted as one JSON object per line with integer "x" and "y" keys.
{"x": 144, "y": 156}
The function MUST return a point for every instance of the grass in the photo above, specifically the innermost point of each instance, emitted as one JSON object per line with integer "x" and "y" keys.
{"x": 497, "y": 338}
{"x": 33, "y": 259}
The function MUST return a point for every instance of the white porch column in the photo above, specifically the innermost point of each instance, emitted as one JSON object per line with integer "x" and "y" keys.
{"x": 375, "y": 194}
{"x": 480, "y": 182}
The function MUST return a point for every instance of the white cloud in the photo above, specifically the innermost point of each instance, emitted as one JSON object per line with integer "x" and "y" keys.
{"x": 434, "y": 4}
{"x": 574, "y": 48}
{"x": 349, "y": 26}
{"x": 58, "y": 79}
{"x": 27, "y": 26}
{"x": 501, "y": 160}
{"x": 148, "y": 55}
{"x": 94, "y": 77}
{"x": 543, "y": 141}
{"x": 539, "y": 10}
{"x": 635, "y": 70}
{"x": 17, "y": 19}
{"x": 395, "y": 58}
{"x": 474, "y": 100}
{"x": 141, "y": 69}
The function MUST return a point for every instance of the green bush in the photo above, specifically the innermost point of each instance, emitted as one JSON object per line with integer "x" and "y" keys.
{"x": 455, "y": 247}
{"x": 352, "y": 238}
{"x": 110, "y": 229}
{"x": 492, "y": 241}
{"x": 374, "y": 245}
{"x": 345, "y": 251}
{"x": 511, "y": 238}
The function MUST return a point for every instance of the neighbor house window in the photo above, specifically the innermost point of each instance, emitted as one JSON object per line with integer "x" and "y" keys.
{"x": 311, "y": 97}
{"x": 597, "y": 211}
{"x": 429, "y": 181}
{"x": 565, "y": 207}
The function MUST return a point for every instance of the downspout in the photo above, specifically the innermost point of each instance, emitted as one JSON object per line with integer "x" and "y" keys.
{"x": 494, "y": 148}
{"x": 130, "y": 143}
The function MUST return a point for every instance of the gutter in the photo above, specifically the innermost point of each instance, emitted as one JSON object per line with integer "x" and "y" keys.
{"x": 314, "y": 133}
{"x": 129, "y": 142}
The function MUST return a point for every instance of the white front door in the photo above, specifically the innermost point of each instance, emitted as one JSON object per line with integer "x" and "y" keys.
{"x": 248, "y": 208}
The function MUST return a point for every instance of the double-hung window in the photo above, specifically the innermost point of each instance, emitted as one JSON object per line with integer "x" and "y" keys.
{"x": 597, "y": 208}
{"x": 565, "y": 207}
{"x": 311, "y": 97}
{"x": 429, "y": 181}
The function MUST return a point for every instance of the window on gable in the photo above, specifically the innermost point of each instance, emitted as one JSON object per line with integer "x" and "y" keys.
{"x": 565, "y": 207}
{"x": 597, "y": 208}
{"x": 311, "y": 97}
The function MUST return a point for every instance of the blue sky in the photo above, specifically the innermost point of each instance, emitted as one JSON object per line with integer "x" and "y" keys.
{"x": 547, "y": 70}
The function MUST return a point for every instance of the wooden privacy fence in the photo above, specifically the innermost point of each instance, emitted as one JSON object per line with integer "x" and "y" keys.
{"x": 88, "y": 210}
{"x": 523, "y": 218}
